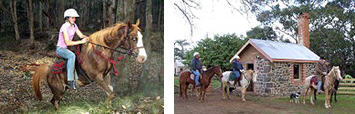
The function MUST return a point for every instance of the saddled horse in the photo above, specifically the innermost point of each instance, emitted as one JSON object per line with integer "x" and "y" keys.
{"x": 96, "y": 61}
{"x": 206, "y": 77}
{"x": 333, "y": 94}
{"x": 330, "y": 78}
{"x": 246, "y": 77}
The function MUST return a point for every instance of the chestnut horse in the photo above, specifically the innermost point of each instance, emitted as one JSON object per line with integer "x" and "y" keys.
{"x": 95, "y": 65}
{"x": 330, "y": 78}
{"x": 207, "y": 75}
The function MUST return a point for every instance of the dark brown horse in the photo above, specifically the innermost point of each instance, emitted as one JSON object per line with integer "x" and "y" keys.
{"x": 207, "y": 75}
{"x": 94, "y": 61}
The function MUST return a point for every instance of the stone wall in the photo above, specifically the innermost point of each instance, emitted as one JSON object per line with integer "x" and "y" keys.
{"x": 275, "y": 79}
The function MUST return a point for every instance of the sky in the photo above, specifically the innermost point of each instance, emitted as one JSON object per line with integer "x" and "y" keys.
{"x": 215, "y": 17}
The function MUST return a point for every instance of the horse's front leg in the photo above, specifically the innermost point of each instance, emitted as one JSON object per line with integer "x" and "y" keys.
{"x": 224, "y": 90}
{"x": 327, "y": 99}
{"x": 244, "y": 89}
{"x": 311, "y": 96}
{"x": 105, "y": 84}
{"x": 228, "y": 92}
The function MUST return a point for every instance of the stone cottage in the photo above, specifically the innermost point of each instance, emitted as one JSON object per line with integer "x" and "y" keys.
{"x": 282, "y": 66}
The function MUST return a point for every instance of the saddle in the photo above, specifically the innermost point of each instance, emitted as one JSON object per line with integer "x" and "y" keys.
{"x": 60, "y": 65}
{"x": 315, "y": 81}
{"x": 192, "y": 76}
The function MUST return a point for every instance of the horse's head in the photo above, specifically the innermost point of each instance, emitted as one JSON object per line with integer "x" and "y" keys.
{"x": 218, "y": 71}
{"x": 255, "y": 75}
{"x": 337, "y": 74}
{"x": 134, "y": 42}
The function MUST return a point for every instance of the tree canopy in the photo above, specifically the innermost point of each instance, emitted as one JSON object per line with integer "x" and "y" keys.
{"x": 217, "y": 50}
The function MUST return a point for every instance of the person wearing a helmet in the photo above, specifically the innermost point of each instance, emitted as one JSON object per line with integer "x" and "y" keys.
{"x": 237, "y": 69}
{"x": 65, "y": 37}
{"x": 196, "y": 66}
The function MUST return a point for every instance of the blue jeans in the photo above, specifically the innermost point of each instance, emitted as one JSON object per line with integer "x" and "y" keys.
{"x": 197, "y": 76}
{"x": 70, "y": 56}
{"x": 319, "y": 85}
{"x": 237, "y": 73}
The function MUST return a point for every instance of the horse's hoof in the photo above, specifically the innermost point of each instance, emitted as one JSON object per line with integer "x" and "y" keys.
{"x": 244, "y": 100}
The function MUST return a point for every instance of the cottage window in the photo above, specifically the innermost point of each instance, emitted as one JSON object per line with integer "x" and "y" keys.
{"x": 250, "y": 66}
{"x": 296, "y": 71}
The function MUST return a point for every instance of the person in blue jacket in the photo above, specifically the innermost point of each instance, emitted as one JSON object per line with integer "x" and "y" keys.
{"x": 237, "y": 69}
{"x": 196, "y": 66}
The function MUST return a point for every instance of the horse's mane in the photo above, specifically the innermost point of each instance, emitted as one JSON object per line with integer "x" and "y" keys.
{"x": 209, "y": 70}
{"x": 107, "y": 33}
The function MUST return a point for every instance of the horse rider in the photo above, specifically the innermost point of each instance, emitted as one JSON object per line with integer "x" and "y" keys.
{"x": 65, "y": 37}
{"x": 237, "y": 69}
{"x": 196, "y": 66}
{"x": 322, "y": 68}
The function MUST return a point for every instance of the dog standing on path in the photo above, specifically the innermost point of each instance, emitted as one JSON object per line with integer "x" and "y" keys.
{"x": 294, "y": 97}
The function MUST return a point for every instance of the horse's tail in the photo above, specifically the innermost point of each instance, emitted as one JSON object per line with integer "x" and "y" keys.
{"x": 180, "y": 90}
{"x": 29, "y": 67}
{"x": 40, "y": 74}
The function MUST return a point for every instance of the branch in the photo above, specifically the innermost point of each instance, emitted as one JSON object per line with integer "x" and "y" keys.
{"x": 187, "y": 17}
{"x": 3, "y": 8}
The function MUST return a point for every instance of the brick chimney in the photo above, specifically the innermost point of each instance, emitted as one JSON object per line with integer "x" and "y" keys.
{"x": 303, "y": 29}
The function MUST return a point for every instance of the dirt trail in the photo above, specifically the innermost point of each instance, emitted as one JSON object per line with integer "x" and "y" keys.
{"x": 214, "y": 104}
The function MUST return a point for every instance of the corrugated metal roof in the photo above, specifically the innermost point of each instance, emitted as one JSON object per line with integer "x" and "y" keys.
{"x": 279, "y": 51}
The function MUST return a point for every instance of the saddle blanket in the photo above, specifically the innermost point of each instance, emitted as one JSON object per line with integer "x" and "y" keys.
{"x": 59, "y": 66}
{"x": 192, "y": 76}
{"x": 314, "y": 80}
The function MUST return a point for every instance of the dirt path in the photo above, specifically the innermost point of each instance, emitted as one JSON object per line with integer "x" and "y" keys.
{"x": 216, "y": 105}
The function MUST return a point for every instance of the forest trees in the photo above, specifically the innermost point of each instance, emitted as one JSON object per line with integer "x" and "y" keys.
{"x": 46, "y": 16}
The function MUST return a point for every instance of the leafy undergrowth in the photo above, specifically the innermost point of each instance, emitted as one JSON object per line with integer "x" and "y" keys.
{"x": 128, "y": 104}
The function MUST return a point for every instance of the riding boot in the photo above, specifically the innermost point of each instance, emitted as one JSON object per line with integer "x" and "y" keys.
{"x": 72, "y": 84}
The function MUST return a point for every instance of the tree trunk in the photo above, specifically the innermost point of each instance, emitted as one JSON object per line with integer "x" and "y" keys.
{"x": 118, "y": 11}
{"x": 47, "y": 17}
{"x": 30, "y": 19}
{"x": 14, "y": 18}
{"x": 40, "y": 16}
{"x": 149, "y": 18}
{"x": 110, "y": 12}
{"x": 60, "y": 15}
{"x": 104, "y": 13}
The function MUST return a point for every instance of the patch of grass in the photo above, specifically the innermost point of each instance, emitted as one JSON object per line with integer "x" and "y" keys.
{"x": 344, "y": 105}
{"x": 176, "y": 81}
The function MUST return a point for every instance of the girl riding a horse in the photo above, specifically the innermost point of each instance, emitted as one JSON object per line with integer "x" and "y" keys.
{"x": 65, "y": 37}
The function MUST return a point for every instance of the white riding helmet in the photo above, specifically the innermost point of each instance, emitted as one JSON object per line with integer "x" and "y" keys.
{"x": 196, "y": 53}
{"x": 70, "y": 13}
{"x": 234, "y": 57}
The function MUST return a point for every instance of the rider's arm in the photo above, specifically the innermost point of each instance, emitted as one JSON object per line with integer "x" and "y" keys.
{"x": 80, "y": 34}
{"x": 69, "y": 42}
{"x": 193, "y": 66}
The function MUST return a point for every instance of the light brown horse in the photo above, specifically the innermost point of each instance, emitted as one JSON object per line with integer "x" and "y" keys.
{"x": 93, "y": 64}
{"x": 207, "y": 75}
{"x": 330, "y": 78}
